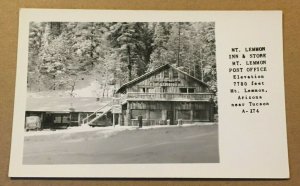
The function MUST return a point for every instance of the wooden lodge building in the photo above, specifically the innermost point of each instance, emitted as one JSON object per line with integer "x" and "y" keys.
{"x": 163, "y": 96}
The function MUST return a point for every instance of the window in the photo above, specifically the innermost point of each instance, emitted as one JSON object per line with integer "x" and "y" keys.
{"x": 166, "y": 74}
{"x": 138, "y": 112}
{"x": 201, "y": 114}
{"x": 151, "y": 90}
{"x": 184, "y": 114}
{"x": 187, "y": 90}
{"x": 74, "y": 116}
{"x": 65, "y": 119}
{"x": 175, "y": 74}
{"x": 155, "y": 114}
{"x": 157, "y": 76}
{"x": 191, "y": 90}
{"x": 164, "y": 89}
{"x": 57, "y": 119}
{"x": 183, "y": 90}
{"x": 144, "y": 90}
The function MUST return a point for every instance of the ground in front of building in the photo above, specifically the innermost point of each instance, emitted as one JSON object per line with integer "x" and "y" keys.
{"x": 171, "y": 144}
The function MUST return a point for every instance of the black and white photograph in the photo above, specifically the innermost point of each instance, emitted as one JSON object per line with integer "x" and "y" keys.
{"x": 149, "y": 94}
{"x": 121, "y": 92}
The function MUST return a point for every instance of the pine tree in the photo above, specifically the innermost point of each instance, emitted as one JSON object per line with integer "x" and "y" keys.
{"x": 133, "y": 42}
{"x": 160, "y": 50}
{"x": 60, "y": 54}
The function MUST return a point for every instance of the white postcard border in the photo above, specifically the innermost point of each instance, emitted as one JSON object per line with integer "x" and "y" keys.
{"x": 239, "y": 158}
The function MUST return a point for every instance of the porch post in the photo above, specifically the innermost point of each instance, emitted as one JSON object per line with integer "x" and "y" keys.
{"x": 119, "y": 119}
{"x": 147, "y": 117}
{"x": 79, "y": 123}
{"x": 128, "y": 114}
{"x": 114, "y": 119}
{"x": 122, "y": 118}
{"x": 211, "y": 110}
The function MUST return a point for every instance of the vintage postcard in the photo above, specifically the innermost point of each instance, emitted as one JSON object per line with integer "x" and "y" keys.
{"x": 149, "y": 94}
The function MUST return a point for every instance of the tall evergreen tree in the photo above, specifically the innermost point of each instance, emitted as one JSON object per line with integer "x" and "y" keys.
{"x": 133, "y": 42}
{"x": 159, "y": 55}
{"x": 61, "y": 53}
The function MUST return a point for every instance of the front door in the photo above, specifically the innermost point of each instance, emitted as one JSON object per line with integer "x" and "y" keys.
{"x": 74, "y": 119}
{"x": 170, "y": 116}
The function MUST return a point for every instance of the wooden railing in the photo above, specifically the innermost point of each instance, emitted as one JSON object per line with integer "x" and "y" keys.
{"x": 95, "y": 115}
{"x": 169, "y": 96}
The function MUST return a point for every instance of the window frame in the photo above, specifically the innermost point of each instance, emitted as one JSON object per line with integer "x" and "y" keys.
{"x": 145, "y": 113}
{"x": 168, "y": 72}
{"x": 190, "y": 115}
{"x": 187, "y": 90}
{"x": 156, "y": 118}
{"x": 164, "y": 89}
{"x": 201, "y": 118}
{"x": 175, "y": 72}
{"x": 183, "y": 88}
{"x": 57, "y": 120}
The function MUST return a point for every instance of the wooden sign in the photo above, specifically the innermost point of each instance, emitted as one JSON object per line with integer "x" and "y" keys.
{"x": 116, "y": 109}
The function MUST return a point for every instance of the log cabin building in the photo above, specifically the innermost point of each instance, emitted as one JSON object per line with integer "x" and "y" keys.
{"x": 163, "y": 96}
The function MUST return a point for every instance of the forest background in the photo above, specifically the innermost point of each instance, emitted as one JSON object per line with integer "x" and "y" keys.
{"x": 90, "y": 59}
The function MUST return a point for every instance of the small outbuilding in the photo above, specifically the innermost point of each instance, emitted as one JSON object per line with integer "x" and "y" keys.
{"x": 61, "y": 112}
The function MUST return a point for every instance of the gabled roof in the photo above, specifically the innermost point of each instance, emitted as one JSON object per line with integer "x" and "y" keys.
{"x": 148, "y": 74}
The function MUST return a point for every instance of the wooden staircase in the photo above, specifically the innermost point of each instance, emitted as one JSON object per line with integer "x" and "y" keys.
{"x": 97, "y": 114}
{"x": 103, "y": 110}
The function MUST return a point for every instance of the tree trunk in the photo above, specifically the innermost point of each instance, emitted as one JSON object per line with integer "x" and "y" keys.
{"x": 129, "y": 63}
{"x": 73, "y": 88}
{"x": 178, "y": 54}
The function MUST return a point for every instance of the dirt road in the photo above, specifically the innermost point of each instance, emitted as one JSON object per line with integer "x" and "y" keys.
{"x": 192, "y": 144}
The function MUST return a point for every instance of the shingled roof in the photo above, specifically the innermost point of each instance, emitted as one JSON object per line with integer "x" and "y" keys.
{"x": 148, "y": 74}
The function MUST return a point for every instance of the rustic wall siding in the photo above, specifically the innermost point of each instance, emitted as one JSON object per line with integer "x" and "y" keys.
{"x": 168, "y": 85}
{"x": 165, "y": 105}
{"x": 157, "y": 81}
